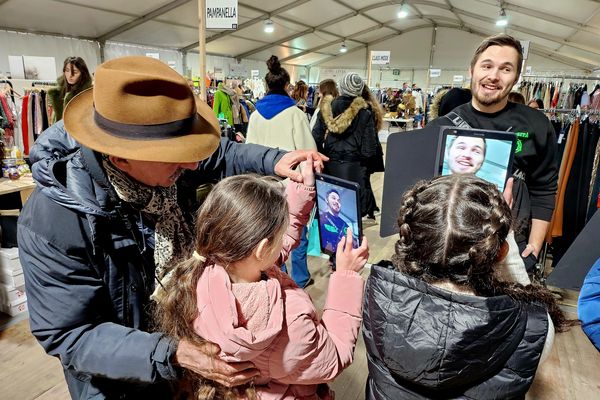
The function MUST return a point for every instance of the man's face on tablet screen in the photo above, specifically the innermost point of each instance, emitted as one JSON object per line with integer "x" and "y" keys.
{"x": 466, "y": 155}
{"x": 333, "y": 201}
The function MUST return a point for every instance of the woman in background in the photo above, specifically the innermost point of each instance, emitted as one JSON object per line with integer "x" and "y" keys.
{"x": 75, "y": 79}
{"x": 327, "y": 87}
{"x": 375, "y": 163}
{"x": 277, "y": 122}
{"x": 345, "y": 132}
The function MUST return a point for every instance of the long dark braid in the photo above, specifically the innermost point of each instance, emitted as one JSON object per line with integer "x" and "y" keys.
{"x": 452, "y": 228}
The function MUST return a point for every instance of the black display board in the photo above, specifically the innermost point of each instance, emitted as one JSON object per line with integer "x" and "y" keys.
{"x": 575, "y": 264}
{"x": 410, "y": 157}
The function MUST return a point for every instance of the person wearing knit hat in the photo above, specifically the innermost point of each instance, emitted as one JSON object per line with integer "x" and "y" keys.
{"x": 351, "y": 85}
{"x": 345, "y": 132}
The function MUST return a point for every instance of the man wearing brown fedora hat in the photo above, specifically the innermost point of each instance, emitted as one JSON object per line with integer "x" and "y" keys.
{"x": 105, "y": 223}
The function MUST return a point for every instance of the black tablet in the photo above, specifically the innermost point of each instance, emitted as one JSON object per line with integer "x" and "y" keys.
{"x": 338, "y": 208}
{"x": 483, "y": 153}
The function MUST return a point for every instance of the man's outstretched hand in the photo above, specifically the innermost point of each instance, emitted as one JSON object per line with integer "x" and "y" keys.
{"x": 285, "y": 166}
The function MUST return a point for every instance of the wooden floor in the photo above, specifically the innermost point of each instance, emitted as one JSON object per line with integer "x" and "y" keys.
{"x": 572, "y": 372}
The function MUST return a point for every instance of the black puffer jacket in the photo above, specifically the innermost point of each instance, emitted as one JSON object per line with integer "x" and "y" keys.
{"x": 89, "y": 269}
{"x": 345, "y": 130}
{"x": 424, "y": 342}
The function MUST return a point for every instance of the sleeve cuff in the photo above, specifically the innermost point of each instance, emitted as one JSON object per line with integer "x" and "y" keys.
{"x": 163, "y": 354}
{"x": 345, "y": 293}
{"x": 543, "y": 213}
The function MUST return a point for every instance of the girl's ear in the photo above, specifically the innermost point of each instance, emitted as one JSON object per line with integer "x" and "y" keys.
{"x": 504, "y": 247}
{"x": 262, "y": 250}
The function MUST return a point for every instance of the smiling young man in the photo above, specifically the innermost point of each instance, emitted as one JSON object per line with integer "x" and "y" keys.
{"x": 495, "y": 68}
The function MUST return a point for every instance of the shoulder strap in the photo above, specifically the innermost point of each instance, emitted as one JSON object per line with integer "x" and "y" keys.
{"x": 457, "y": 120}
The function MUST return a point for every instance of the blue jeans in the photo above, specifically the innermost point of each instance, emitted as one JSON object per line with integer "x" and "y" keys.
{"x": 300, "y": 273}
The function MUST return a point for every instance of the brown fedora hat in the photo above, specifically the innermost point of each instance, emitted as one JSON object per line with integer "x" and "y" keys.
{"x": 141, "y": 109}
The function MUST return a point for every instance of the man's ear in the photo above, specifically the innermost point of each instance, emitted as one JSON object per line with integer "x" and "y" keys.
{"x": 504, "y": 247}
{"x": 120, "y": 163}
{"x": 262, "y": 249}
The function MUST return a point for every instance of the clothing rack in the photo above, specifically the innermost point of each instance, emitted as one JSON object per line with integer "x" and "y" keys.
{"x": 43, "y": 83}
{"x": 569, "y": 77}
{"x": 12, "y": 90}
{"x": 570, "y": 110}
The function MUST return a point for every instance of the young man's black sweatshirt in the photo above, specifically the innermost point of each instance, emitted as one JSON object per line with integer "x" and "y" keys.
{"x": 535, "y": 156}
{"x": 535, "y": 168}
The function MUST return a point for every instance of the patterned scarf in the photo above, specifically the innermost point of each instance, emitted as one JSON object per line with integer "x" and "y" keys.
{"x": 173, "y": 238}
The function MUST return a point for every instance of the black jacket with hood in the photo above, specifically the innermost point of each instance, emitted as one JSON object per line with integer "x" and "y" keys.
{"x": 425, "y": 342}
{"x": 345, "y": 130}
{"x": 89, "y": 269}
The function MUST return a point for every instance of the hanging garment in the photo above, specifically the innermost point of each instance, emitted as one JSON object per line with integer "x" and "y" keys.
{"x": 25, "y": 124}
{"x": 556, "y": 224}
{"x": 577, "y": 189}
{"x": 594, "y": 199}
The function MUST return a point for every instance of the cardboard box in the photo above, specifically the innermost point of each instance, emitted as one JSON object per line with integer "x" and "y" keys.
{"x": 10, "y": 294}
{"x": 13, "y": 279}
{"x": 14, "y": 308}
{"x": 9, "y": 259}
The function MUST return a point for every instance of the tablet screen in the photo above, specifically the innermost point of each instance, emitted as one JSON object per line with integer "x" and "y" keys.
{"x": 486, "y": 154}
{"x": 337, "y": 210}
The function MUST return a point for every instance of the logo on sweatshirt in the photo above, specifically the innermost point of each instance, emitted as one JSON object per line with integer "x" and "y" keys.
{"x": 520, "y": 137}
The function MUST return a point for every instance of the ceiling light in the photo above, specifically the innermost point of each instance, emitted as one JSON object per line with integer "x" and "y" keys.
{"x": 402, "y": 13}
{"x": 343, "y": 49}
{"x": 502, "y": 20}
{"x": 269, "y": 27}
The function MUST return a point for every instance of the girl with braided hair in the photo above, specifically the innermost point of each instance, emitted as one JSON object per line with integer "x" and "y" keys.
{"x": 439, "y": 320}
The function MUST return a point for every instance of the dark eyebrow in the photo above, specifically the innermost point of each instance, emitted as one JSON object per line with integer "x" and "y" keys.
{"x": 503, "y": 64}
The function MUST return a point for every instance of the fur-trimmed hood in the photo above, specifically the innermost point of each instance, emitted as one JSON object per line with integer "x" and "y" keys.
{"x": 340, "y": 123}
{"x": 434, "y": 108}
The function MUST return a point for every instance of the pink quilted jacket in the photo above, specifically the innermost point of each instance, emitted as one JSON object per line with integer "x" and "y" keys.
{"x": 277, "y": 327}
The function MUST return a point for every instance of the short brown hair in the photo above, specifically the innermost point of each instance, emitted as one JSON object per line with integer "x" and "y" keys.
{"x": 500, "y": 40}
{"x": 328, "y": 86}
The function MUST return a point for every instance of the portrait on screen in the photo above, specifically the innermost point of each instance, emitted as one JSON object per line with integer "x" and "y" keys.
{"x": 337, "y": 211}
{"x": 488, "y": 156}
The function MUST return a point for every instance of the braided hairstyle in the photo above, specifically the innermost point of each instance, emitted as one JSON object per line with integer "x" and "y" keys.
{"x": 452, "y": 228}
{"x": 277, "y": 78}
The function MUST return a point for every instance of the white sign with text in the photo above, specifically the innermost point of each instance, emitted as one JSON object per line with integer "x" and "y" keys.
{"x": 380, "y": 57}
{"x": 221, "y": 14}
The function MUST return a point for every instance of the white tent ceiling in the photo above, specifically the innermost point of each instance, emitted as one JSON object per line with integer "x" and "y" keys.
{"x": 310, "y": 32}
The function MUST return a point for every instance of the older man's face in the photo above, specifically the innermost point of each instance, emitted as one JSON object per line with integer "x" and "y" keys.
{"x": 153, "y": 173}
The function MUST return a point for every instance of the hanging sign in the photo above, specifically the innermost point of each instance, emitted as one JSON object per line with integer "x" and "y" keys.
{"x": 528, "y": 70}
{"x": 332, "y": 73}
{"x": 221, "y": 14}
{"x": 254, "y": 73}
{"x": 238, "y": 70}
{"x": 459, "y": 78}
{"x": 395, "y": 72}
{"x": 525, "y": 47}
{"x": 218, "y": 73}
{"x": 435, "y": 72}
{"x": 381, "y": 57}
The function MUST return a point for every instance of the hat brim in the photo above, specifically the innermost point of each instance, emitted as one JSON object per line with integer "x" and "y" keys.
{"x": 199, "y": 144}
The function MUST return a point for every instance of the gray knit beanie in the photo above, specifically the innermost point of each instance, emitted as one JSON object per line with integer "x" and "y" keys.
{"x": 351, "y": 85}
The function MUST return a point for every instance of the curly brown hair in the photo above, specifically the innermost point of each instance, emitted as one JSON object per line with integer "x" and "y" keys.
{"x": 300, "y": 91}
{"x": 237, "y": 214}
{"x": 452, "y": 229}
